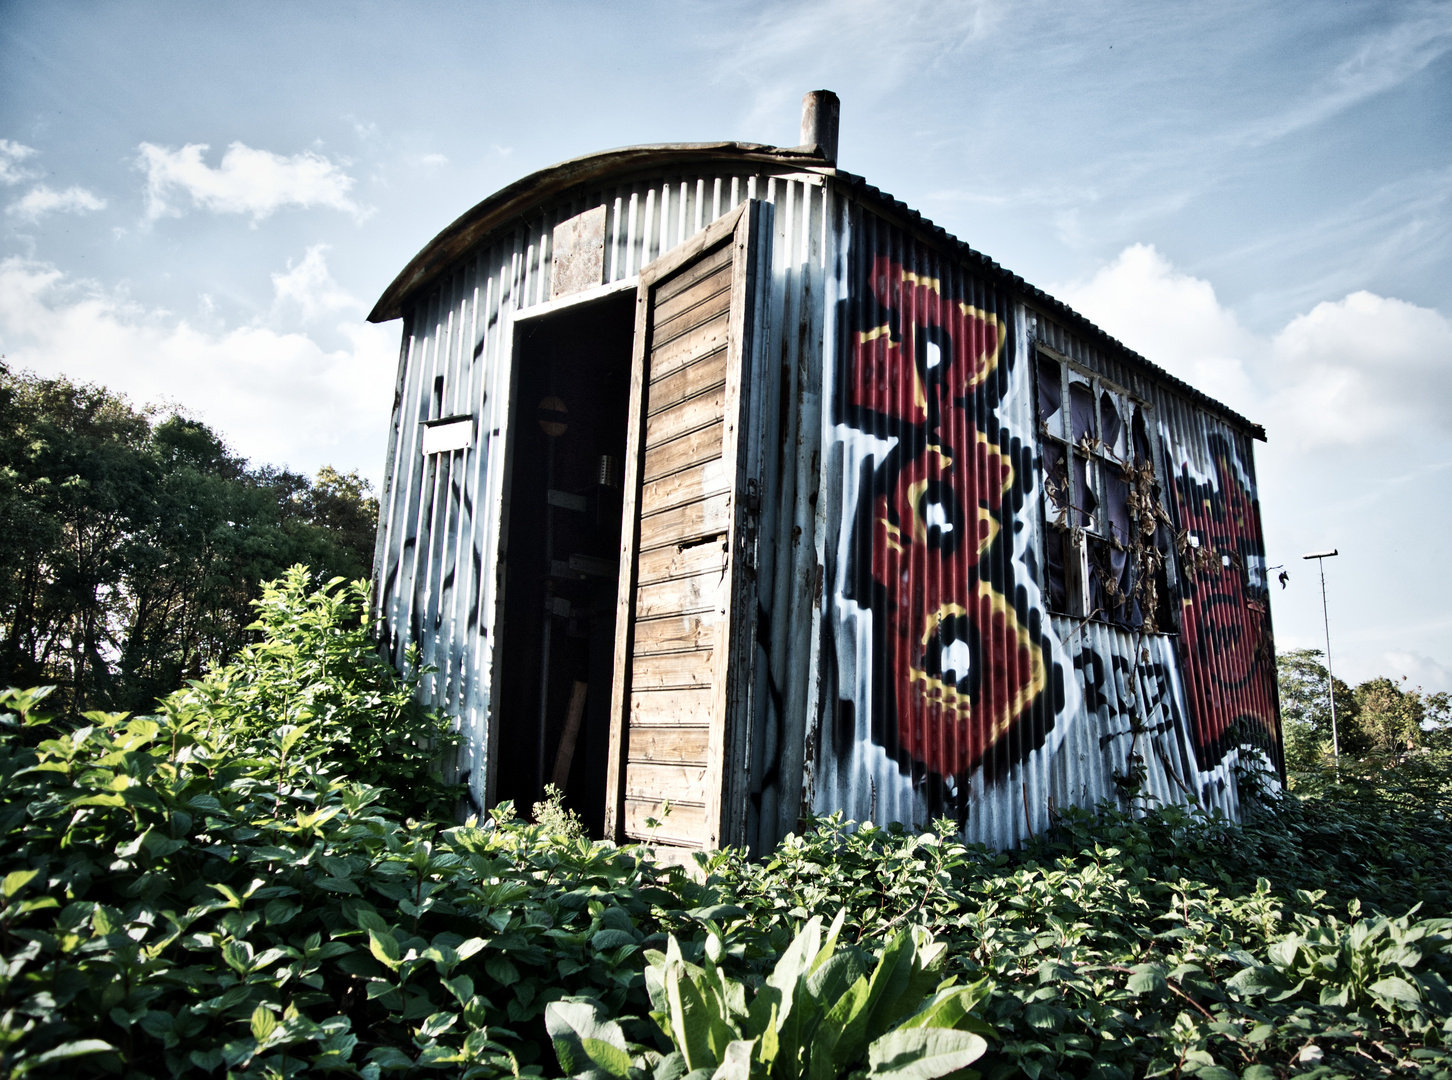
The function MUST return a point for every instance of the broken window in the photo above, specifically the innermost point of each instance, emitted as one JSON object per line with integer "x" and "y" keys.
{"x": 1101, "y": 562}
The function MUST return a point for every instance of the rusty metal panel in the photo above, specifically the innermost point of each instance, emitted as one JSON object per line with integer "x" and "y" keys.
{"x": 578, "y": 253}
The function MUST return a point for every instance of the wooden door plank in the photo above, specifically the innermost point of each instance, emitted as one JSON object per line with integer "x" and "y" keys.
{"x": 682, "y": 524}
{"x": 674, "y": 671}
{"x": 678, "y": 563}
{"x": 673, "y": 279}
{"x": 680, "y": 596}
{"x": 669, "y": 708}
{"x": 703, "y": 444}
{"x": 687, "y": 417}
{"x": 674, "y": 745}
{"x": 688, "y": 382}
{"x": 700, "y": 481}
{"x": 702, "y": 343}
{"x": 681, "y": 503}
{"x": 683, "y": 826}
{"x": 707, "y": 299}
{"x": 661, "y": 780}
{"x": 675, "y": 633}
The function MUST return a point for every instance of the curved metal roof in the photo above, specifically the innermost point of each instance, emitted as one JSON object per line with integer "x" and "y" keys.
{"x": 523, "y": 195}
{"x": 520, "y": 197}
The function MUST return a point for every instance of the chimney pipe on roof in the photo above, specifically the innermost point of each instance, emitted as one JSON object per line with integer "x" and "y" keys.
{"x": 821, "y": 110}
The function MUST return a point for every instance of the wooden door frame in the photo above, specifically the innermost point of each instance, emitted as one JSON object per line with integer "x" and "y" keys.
{"x": 737, "y": 228}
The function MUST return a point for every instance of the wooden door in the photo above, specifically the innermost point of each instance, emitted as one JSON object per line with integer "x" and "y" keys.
{"x": 681, "y": 699}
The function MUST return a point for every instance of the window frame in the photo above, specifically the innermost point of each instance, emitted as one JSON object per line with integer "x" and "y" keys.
{"x": 1066, "y": 520}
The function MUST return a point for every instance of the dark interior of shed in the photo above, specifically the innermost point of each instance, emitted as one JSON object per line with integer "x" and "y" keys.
{"x": 562, "y": 558}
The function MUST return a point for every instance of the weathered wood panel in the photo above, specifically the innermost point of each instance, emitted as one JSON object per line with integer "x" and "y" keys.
{"x": 674, "y": 745}
{"x": 684, "y": 278}
{"x": 708, "y": 299}
{"x": 681, "y": 596}
{"x": 676, "y": 633}
{"x": 670, "y": 708}
{"x": 658, "y": 780}
{"x": 669, "y": 703}
{"x": 680, "y": 453}
{"x": 683, "y": 826}
{"x": 688, "y": 382}
{"x": 692, "y": 484}
{"x": 683, "y": 524}
{"x": 665, "y": 564}
{"x": 690, "y": 416}
{"x": 673, "y": 671}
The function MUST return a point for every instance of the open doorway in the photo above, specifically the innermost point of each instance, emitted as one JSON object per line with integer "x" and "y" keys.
{"x": 557, "y": 623}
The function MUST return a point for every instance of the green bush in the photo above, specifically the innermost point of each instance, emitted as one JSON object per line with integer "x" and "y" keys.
{"x": 204, "y": 892}
{"x": 316, "y": 665}
{"x": 174, "y": 906}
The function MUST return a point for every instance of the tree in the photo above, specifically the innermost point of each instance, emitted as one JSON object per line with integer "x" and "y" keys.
{"x": 1306, "y": 711}
{"x": 139, "y": 542}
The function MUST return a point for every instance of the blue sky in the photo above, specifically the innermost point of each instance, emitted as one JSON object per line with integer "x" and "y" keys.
{"x": 200, "y": 202}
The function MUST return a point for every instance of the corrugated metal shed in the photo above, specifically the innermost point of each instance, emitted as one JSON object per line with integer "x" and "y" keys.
{"x": 987, "y": 561}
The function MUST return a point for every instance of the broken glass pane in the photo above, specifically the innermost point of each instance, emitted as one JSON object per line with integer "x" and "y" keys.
{"x": 1113, "y": 426}
{"x": 1051, "y": 396}
{"x": 1056, "y": 480}
{"x": 1055, "y": 577}
{"x": 1081, "y": 412}
{"x": 1085, "y": 504}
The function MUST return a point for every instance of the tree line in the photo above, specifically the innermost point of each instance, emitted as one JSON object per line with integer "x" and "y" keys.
{"x": 1384, "y": 726}
{"x": 136, "y": 542}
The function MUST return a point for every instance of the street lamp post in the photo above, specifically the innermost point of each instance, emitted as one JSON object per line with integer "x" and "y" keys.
{"x": 1321, "y": 557}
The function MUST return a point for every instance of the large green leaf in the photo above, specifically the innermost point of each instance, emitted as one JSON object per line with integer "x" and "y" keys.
{"x": 923, "y": 1053}
{"x": 584, "y": 1039}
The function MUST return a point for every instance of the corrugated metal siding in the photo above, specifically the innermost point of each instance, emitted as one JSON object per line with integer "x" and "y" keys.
{"x": 443, "y": 517}
{"x": 1224, "y": 646}
{"x": 786, "y": 666}
{"x": 1036, "y": 710}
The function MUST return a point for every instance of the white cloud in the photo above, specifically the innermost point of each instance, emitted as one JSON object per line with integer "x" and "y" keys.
{"x": 11, "y": 155}
{"x": 247, "y": 181}
{"x": 1345, "y": 373}
{"x": 276, "y": 397}
{"x": 1173, "y": 320}
{"x": 41, "y": 200}
{"x": 309, "y": 288}
{"x": 1352, "y": 371}
{"x": 1419, "y": 671}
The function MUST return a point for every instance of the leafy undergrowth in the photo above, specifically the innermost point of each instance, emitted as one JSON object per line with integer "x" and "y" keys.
{"x": 195, "y": 893}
